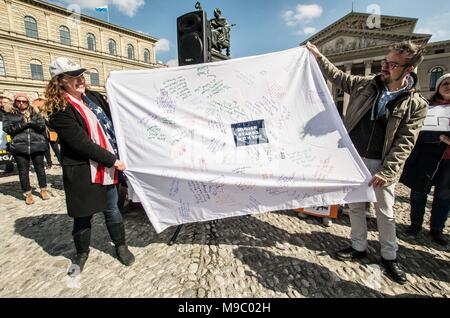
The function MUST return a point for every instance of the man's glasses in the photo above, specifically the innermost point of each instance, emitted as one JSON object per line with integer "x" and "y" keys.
{"x": 21, "y": 101}
{"x": 392, "y": 65}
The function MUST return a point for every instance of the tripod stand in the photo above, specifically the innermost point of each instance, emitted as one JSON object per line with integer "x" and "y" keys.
{"x": 175, "y": 235}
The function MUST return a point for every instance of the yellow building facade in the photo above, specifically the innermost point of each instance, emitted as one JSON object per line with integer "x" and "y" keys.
{"x": 33, "y": 33}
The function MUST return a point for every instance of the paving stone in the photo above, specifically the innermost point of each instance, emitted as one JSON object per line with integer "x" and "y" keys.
{"x": 264, "y": 255}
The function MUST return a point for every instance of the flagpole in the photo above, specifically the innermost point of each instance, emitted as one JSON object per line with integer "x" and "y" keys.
{"x": 107, "y": 10}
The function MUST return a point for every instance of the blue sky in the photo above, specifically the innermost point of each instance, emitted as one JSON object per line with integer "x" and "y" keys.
{"x": 262, "y": 26}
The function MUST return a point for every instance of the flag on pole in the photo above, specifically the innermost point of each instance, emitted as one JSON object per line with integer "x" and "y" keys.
{"x": 102, "y": 9}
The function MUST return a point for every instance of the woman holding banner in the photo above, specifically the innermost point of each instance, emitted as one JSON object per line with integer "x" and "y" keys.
{"x": 428, "y": 165}
{"x": 88, "y": 157}
{"x": 26, "y": 128}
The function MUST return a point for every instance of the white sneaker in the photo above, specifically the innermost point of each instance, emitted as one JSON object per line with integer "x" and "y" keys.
{"x": 327, "y": 222}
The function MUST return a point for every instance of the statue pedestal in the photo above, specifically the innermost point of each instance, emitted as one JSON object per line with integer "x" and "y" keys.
{"x": 218, "y": 56}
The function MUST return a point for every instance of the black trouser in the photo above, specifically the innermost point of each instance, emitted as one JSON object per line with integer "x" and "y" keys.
{"x": 48, "y": 155}
{"x": 23, "y": 165}
{"x": 441, "y": 200}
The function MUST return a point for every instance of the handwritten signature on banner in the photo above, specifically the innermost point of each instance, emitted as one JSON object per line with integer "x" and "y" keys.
{"x": 178, "y": 86}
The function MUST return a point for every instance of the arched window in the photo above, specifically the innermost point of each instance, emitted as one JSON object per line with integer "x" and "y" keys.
{"x": 30, "y": 27}
{"x": 146, "y": 56}
{"x": 112, "y": 47}
{"x": 95, "y": 79}
{"x": 130, "y": 50}
{"x": 2, "y": 67}
{"x": 91, "y": 44}
{"x": 64, "y": 35}
{"x": 435, "y": 74}
{"x": 37, "y": 72}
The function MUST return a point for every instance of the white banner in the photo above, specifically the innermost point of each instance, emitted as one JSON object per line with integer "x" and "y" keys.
{"x": 2, "y": 137}
{"x": 438, "y": 119}
{"x": 232, "y": 138}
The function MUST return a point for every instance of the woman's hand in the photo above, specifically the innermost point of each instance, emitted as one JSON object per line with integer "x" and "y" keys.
{"x": 26, "y": 116}
{"x": 444, "y": 139}
{"x": 119, "y": 165}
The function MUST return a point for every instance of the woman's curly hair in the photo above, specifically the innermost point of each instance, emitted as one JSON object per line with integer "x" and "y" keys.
{"x": 54, "y": 93}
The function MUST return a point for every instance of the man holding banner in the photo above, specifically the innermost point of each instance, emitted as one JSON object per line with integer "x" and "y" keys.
{"x": 384, "y": 117}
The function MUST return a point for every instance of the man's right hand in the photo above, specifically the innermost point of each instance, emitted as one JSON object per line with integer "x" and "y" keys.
{"x": 313, "y": 49}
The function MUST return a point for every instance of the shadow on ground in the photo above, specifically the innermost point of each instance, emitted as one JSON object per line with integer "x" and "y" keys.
{"x": 53, "y": 233}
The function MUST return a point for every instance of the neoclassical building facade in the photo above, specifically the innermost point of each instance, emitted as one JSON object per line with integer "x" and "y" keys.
{"x": 357, "y": 49}
{"x": 33, "y": 33}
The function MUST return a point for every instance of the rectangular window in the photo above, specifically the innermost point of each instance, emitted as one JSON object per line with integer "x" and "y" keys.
{"x": 2, "y": 67}
{"x": 95, "y": 80}
{"x": 37, "y": 72}
{"x": 65, "y": 38}
{"x": 31, "y": 29}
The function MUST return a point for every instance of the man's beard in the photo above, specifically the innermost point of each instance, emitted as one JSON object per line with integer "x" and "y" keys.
{"x": 388, "y": 79}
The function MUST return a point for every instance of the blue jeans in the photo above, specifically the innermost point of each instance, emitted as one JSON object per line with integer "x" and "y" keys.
{"x": 439, "y": 210}
{"x": 112, "y": 213}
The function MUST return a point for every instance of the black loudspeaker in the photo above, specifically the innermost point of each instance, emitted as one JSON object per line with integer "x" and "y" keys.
{"x": 194, "y": 38}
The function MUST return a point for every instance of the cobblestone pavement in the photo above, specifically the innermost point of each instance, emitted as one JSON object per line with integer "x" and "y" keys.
{"x": 267, "y": 255}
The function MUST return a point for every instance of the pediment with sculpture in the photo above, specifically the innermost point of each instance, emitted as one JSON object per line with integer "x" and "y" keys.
{"x": 351, "y": 43}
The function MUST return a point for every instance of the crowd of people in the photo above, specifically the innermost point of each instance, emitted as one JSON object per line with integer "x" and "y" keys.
{"x": 384, "y": 119}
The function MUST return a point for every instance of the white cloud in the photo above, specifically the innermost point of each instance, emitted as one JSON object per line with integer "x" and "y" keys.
{"x": 163, "y": 45}
{"x": 128, "y": 7}
{"x": 309, "y": 30}
{"x": 438, "y": 26}
{"x": 303, "y": 13}
{"x": 172, "y": 63}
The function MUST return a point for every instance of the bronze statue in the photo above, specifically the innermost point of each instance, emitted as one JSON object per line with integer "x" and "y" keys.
{"x": 220, "y": 32}
{"x": 198, "y": 6}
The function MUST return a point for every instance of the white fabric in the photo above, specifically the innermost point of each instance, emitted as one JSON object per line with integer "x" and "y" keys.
{"x": 174, "y": 132}
{"x": 438, "y": 118}
{"x": 100, "y": 174}
{"x": 2, "y": 136}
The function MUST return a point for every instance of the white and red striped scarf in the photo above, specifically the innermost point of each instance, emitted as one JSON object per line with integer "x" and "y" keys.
{"x": 100, "y": 174}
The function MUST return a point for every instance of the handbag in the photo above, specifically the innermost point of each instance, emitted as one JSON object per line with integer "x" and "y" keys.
{"x": 52, "y": 136}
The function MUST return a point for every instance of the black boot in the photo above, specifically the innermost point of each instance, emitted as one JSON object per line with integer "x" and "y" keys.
{"x": 438, "y": 237}
{"x": 414, "y": 229}
{"x": 117, "y": 233}
{"x": 82, "y": 240}
{"x": 394, "y": 271}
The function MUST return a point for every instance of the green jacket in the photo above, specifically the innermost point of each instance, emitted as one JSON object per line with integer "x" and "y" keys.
{"x": 404, "y": 124}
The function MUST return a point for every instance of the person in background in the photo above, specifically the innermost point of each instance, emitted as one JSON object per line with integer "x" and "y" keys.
{"x": 89, "y": 158}
{"x": 384, "y": 117}
{"x": 5, "y": 107}
{"x": 38, "y": 104}
{"x": 26, "y": 128}
{"x": 428, "y": 165}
